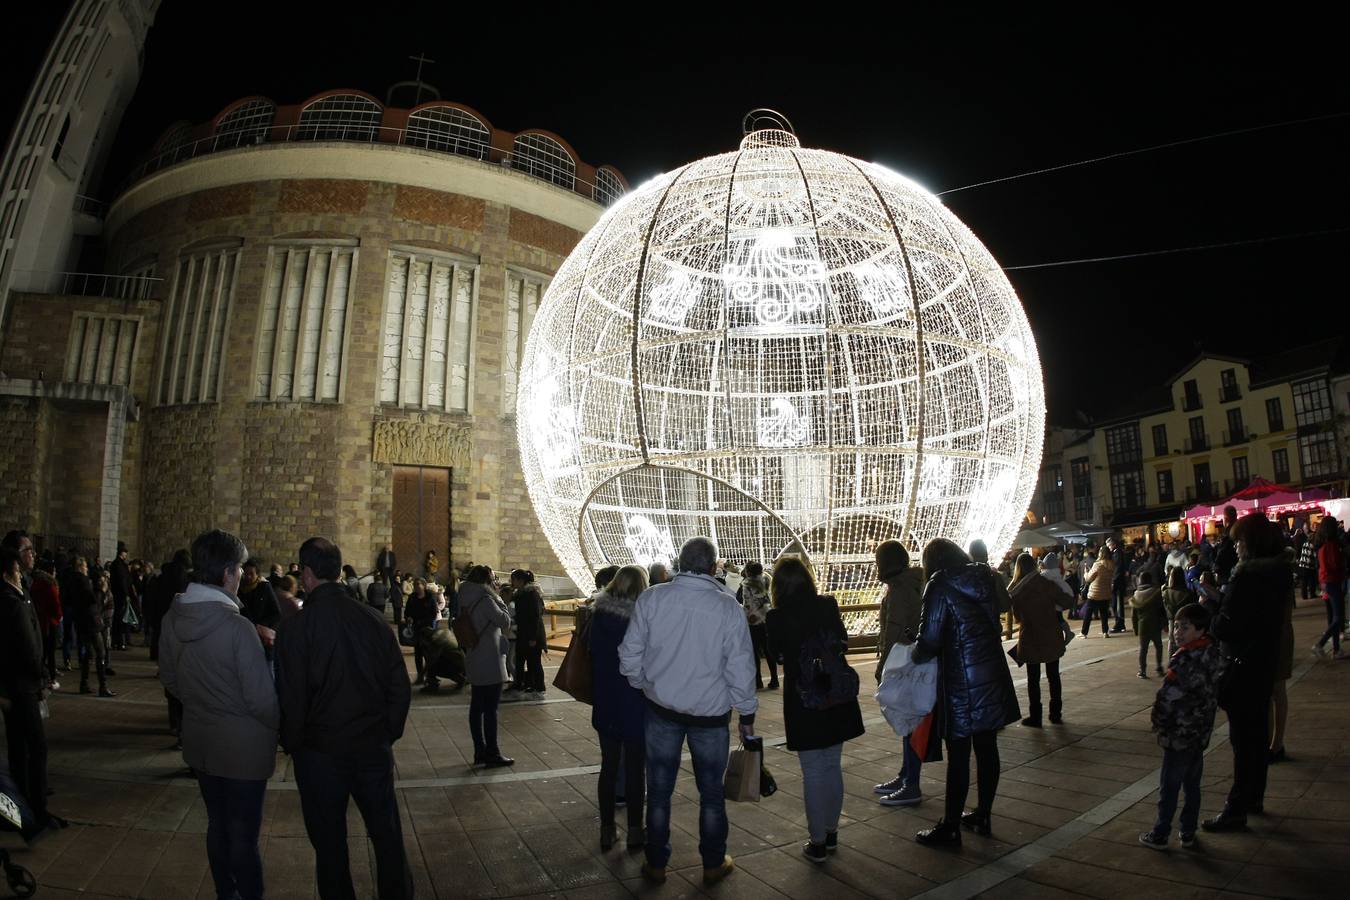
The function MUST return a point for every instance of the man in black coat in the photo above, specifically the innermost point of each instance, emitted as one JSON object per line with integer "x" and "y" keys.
{"x": 344, "y": 695}
{"x": 386, "y": 563}
{"x": 22, "y": 682}
{"x": 119, "y": 581}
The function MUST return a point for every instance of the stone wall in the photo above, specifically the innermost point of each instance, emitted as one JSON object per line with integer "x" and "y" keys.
{"x": 73, "y": 466}
{"x": 277, "y": 473}
{"x": 21, "y": 482}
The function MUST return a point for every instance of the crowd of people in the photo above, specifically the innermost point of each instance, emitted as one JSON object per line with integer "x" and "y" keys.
{"x": 308, "y": 658}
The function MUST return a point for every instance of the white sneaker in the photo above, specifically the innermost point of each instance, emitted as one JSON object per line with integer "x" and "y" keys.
{"x": 909, "y": 795}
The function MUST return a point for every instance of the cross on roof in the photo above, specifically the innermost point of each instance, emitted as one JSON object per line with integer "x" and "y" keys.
{"x": 420, "y": 59}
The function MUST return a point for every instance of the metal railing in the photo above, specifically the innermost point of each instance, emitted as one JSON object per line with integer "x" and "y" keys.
{"x": 1192, "y": 403}
{"x": 1229, "y": 393}
{"x": 422, "y": 138}
{"x": 87, "y": 284}
{"x": 90, "y": 206}
{"x": 1197, "y": 444}
{"x": 1236, "y": 436}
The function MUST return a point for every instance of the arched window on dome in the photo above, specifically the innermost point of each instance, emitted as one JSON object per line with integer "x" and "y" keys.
{"x": 608, "y": 187}
{"x": 246, "y": 124}
{"x": 340, "y": 117}
{"x": 449, "y": 129}
{"x": 174, "y": 144}
{"x": 543, "y": 157}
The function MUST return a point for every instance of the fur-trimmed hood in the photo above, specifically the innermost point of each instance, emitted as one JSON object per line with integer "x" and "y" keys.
{"x": 615, "y": 606}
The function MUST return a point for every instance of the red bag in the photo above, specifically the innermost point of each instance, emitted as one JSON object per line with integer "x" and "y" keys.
{"x": 918, "y": 740}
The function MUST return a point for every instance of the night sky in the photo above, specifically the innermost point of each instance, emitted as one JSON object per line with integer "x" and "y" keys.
{"x": 949, "y": 99}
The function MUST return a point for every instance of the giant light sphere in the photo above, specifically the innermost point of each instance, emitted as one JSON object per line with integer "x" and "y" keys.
{"x": 787, "y": 350}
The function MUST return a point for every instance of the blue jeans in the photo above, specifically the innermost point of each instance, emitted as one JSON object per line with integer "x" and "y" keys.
{"x": 327, "y": 783}
{"x": 823, "y": 790}
{"x": 709, "y": 748}
{"x": 1181, "y": 769}
{"x": 234, "y": 809}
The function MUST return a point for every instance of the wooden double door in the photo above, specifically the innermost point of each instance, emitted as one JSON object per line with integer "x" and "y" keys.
{"x": 421, "y": 516}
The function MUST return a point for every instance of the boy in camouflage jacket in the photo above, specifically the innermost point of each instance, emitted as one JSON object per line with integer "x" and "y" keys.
{"x": 1183, "y": 719}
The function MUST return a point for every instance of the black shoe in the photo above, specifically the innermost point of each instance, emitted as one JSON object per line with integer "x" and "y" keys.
{"x": 1225, "y": 821}
{"x": 478, "y": 757}
{"x": 105, "y": 692}
{"x": 109, "y": 672}
{"x": 637, "y": 838}
{"x": 429, "y": 688}
{"x": 816, "y": 853}
{"x": 832, "y": 841}
{"x": 977, "y": 822}
{"x": 607, "y": 835}
{"x": 1277, "y": 756}
{"x": 943, "y": 834}
{"x": 773, "y": 684}
{"x": 86, "y": 689}
{"x": 497, "y": 761}
{"x": 1056, "y": 714}
{"x": 1032, "y": 722}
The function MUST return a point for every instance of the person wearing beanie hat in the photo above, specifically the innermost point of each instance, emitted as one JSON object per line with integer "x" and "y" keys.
{"x": 901, "y": 610}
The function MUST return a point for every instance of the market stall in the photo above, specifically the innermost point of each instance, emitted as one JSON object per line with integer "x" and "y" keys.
{"x": 1279, "y": 502}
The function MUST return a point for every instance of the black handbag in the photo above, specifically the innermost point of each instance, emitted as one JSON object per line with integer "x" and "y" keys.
{"x": 767, "y": 786}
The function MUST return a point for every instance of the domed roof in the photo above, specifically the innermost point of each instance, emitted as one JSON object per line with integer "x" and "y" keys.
{"x": 784, "y": 349}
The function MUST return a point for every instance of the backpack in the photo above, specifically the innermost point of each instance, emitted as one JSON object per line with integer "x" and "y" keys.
{"x": 826, "y": 679}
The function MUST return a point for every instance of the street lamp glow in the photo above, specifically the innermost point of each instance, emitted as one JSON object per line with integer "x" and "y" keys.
{"x": 787, "y": 350}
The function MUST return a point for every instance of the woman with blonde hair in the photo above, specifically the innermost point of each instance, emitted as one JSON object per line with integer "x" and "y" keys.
{"x": 1099, "y": 584}
{"x": 619, "y": 714}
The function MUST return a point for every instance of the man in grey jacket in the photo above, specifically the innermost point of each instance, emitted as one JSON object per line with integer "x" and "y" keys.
{"x": 688, "y": 650}
{"x": 212, "y": 660}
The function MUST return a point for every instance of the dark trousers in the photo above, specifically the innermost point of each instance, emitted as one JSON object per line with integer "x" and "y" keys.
{"x": 1181, "y": 770}
{"x": 234, "y": 809}
{"x": 1096, "y": 608}
{"x": 1309, "y": 579}
{"x": 958, "y": 773}
{"x": 759, "y": 639}
{"x": 1144, "y": 641}
{"x": 1118, "y": 605}
{"x": 1034, "y": 688}
{"x": 92, "y": 645}
{"x": 1335, "y": 615}
{"x": 396, "y": 599}
{"x": 49, "y": 640}
{"x": 119, "y": 627}
{"x": 633, "y": 755}
{"x": 483, "y": 702}
{"x": 327, "y": 782}
{"x": 68, "y": 639}
{"x": 1249, "y": 733}
{"x": 530, "y": 665}
{"x": 27, "y": 740}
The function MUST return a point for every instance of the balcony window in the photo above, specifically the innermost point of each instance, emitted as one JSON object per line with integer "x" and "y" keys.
{"x": 1280, "y": 463}
{"x": 1275, "y": 414}
{"x": 1236, "y": 431}
{"x": 1228, "y": 386}
{"x": 1241, "y": 476}
{"x": 1204, "y": 486}
{"x": 1192, "y": 395}
{"x": 1198, "y": 440}
{"x": 1159, "y": 440}
{"x": 1165, "y": 494}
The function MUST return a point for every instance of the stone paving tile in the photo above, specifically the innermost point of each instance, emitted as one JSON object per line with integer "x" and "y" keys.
{"x": 140, "y": 823}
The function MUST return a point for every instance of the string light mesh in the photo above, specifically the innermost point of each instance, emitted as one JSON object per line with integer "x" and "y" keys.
{"x": 786, "y": 350}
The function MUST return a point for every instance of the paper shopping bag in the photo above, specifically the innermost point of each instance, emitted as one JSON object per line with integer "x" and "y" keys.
{"x": 743, "y": 772}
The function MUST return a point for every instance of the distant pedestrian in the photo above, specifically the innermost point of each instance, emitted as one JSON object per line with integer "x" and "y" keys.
{"x": 1331, "y": 572}
{"x": 753, "y": 595}
{"x": 344, "y": 695}
{"x": 1037, "y": 602}
{"x": 485, "y": 663}
{"x": 1149, "y": 616}
{"x": 530, "y": 635}
{"x": 1099, "y": 585}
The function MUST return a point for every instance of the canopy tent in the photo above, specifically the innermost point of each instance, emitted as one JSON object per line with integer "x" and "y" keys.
{"x": 1067, "y": 531}
{"x": 1029, "y": 538}
{"x": 1269, "y": 496}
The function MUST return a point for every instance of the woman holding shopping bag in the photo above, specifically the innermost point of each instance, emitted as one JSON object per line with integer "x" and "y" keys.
{"x": 901, "y": 608}
{"x": 961, "y": 630}
{"x": 801, "y": 617}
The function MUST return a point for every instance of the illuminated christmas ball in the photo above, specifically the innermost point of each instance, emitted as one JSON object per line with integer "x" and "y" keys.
{"x": 786, "y": 350}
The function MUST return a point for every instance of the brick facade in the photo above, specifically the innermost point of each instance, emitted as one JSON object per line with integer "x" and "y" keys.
{"x": 278, "y": 472}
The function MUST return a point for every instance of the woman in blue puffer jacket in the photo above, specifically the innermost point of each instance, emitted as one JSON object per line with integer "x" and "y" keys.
{"x": 960, "y": 627}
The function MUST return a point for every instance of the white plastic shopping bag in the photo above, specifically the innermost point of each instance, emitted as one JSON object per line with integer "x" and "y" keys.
{"x": 908, "y": 690}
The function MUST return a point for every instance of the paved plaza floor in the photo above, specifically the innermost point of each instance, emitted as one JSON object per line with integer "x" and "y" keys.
{"x": 1071, "y": 803}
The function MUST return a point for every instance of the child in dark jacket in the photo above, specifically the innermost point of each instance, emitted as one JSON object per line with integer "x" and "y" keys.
{"x": 1183, "y": 719}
